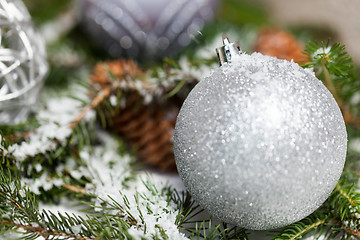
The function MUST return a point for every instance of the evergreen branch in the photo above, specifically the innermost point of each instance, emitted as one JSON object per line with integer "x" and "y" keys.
{"x": 75, "y": 189}
{"x": 53, "y": 139}
{"x": 19, "y": 210}
{"x": 11, "y": 200}
{"x": 329, "y": 83}
{"x": 187, "y": 208}
{"x": 104, "y": 93}
{"x": 16, "y": 132}
{"x": 345, "y": 201}
{"x": 334, "y": 66}
{"x": 206, "y": 230}
{"x": 342, "y": 192}
{"x": 44, "y": 232}
{"x": 176, "y": 89}
{"x": 17, "y": 137}
{"x": 335, "y": 58}
{"x": 299, "y": 229}
{"x": 229, "y": 233}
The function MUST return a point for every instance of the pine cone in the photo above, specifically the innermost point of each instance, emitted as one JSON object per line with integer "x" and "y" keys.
{"x": 280, "y": 44}
{"x": 104, "y": 73}
{"x": 148, "y": 128}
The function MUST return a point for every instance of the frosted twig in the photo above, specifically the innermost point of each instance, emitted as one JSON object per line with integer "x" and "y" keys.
{"x": 95, "y": 102}
{"x": 75, "y": 189}
{"x": 312, "y": 226}
{"x": 342, "y": 192}
{"x": 45, "y": 232}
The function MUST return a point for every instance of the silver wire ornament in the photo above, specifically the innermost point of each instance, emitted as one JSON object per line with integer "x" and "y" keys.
{"x": 22, "y": 62}
{"x": 145, "y": 28}
{"x": 260, "y": 142}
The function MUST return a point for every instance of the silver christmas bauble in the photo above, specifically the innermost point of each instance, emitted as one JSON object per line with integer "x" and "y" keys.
{"x": 22, "y": 62}
{"x": 144, "y": 28}
{"x": 260, "y": 143}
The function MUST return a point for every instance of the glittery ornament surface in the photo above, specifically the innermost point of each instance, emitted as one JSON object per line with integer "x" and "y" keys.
{"x": 260, "y": 143}
{"x": 22, "y": 62}
{"x": 144, "y": 28}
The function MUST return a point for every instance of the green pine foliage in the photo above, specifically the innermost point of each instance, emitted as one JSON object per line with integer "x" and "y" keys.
{"x": 314, "y": 223}
{"x": 334, "y": 66}
{"x": 20, "y": 212}
{"x": 67, "y": 171}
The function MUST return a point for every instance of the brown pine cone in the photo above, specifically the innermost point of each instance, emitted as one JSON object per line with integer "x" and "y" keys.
{"x": 280, "y": 44}
{"x": 104, "y": 73}
{"x": 148, "y": 128}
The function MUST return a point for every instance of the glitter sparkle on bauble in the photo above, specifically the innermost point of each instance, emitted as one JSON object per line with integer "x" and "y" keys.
{"x": 261, "y": 142}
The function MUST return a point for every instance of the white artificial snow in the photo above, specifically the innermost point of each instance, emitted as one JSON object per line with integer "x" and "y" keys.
{"x": 54, "y": 119}
{"x": 310, "y": 71}
{"x": 242, "y": 62}
{"x": 159, "y": 86}
{"x": 44, "y": 182}
{"x": 198, "y": 72}
{"x": 38, "y": 167}
{"x": 76, "y": 229}
{"x": 104, "y": 163}
{"x": 110, "y": 172}
{"x": 65, "y": 206}
{"x": 113, "y": 100}
{"x": 150, "y": 211}
{"x": 321, "y": 51}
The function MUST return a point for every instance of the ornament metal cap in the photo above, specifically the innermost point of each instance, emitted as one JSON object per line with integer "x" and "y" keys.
{"x": 226, "y": 52}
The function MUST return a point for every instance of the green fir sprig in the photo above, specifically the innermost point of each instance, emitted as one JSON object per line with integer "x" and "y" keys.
{"x": 314, "y": 223}
{"x": 334, "y": 66}
{"x": 345, "y": 204}
{"x": 20, "y": 212}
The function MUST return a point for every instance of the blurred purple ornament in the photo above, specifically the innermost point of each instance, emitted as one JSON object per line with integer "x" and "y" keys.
{"x": 145, "y": 28}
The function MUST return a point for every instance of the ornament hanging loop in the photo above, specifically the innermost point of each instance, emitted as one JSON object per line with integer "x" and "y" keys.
{"x": 228, "y": 51}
